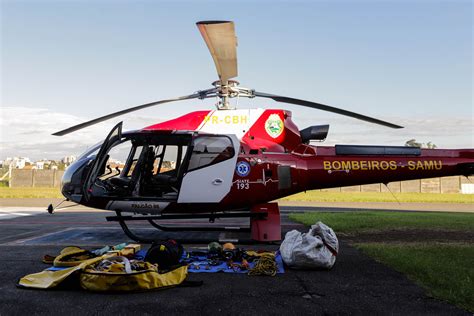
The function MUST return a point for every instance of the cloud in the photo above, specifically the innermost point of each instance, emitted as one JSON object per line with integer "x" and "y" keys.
{"x": 27, "y": 131}
{"x": 445, "y": 132}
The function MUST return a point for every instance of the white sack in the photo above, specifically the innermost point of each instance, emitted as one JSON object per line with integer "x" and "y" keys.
{"x": 315, "y": 249}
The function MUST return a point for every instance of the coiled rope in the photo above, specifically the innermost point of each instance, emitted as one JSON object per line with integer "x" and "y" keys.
{"x": 266, "y": 265}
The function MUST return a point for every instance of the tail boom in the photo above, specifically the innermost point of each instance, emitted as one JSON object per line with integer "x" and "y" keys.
{"x": 329, "y": 169}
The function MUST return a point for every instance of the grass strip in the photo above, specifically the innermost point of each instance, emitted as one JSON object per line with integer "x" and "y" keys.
{"x": 20, "y": 193}
{"x": 321, "y": 196}
{"x": 354, "y": 222}
{"x": 446, "y": 271}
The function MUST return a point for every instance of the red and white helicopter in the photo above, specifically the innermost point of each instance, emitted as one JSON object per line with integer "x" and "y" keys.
{"x": 231, "y": 162}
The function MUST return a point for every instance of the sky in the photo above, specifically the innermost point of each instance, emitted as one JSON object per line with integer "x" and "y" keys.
{"x": 65, "y": 62}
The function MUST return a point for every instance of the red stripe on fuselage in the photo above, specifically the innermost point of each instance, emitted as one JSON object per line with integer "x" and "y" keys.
{"x": 188, "y": 122}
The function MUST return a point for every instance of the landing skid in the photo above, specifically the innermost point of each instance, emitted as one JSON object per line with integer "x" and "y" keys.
{"x": 152, "y": 219}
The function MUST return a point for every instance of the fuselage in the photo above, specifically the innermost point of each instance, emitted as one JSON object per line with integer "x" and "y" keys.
{"x": 213, "y": 161}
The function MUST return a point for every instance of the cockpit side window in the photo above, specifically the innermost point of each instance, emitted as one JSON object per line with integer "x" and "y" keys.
{"x": 133, "y": 160}
{"x": 144, "y": 164}
{"x": 116, "y": 158}
{"x": 209, "y": 150}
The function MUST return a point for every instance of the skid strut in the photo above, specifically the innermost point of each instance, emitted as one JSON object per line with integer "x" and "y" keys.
{"x": 153, "y": 218}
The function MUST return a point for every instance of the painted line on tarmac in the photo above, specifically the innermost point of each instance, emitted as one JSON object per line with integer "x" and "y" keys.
{"x": 14, "y": 237}
{"x": 9, "y": 209}
{"x": 25, "y": 240}
{"x": 14, "y": 215}
{"x": 14, "y": 212}
{"x": 73, "y": 230}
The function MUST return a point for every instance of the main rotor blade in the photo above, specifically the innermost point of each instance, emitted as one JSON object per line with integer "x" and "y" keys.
{"x": 222, "y": 43}
{"x": 132, "y": 109}
{"x": 324, "y": 107}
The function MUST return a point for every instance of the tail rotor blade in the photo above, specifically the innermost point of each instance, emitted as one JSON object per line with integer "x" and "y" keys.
{"x": 324, "y": 107}
{"x": 122, "y": 112}
{"x": 222, "y": 43}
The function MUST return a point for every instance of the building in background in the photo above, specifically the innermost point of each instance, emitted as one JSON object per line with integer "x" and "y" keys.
{"x": 39, "y": 165}
{"x": 68, "y": 160}
{"x": 16, "y": 162}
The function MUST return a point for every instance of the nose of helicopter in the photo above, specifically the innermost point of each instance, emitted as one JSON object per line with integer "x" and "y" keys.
{"x": 72, "y": 180}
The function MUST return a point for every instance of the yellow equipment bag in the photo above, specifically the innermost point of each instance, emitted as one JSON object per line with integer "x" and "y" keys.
{"x": 106, "y": 273}
{"x": 72, "y": 256}
{"x": 49, "y": 279}
{"x": 119, "y": 274}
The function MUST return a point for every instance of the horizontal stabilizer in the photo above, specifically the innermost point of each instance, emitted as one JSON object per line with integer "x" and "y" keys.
{"x": 317, "y": 132}
{"x": 377, "y": 150}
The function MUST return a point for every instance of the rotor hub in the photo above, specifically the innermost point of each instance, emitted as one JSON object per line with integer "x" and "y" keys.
{"x": 226, "y": 91}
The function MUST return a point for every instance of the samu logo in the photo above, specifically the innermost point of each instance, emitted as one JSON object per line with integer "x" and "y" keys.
{"x": 242, "y": 169}
{"x": 274, "y": 125}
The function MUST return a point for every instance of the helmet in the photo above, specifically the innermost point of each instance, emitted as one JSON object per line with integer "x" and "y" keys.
{"x": 214, "y": 247}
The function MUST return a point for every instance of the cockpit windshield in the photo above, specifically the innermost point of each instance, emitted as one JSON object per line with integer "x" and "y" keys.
{"x": 91, "y": 151}
{"x": 150, "y": 165}
{"x": 141, "y": 165}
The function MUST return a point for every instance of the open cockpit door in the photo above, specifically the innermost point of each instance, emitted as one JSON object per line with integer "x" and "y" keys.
{"x": 210, "y": 170}
{"x": 98, "y": 165}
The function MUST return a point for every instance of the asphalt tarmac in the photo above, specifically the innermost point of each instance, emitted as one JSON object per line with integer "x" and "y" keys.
{"x": 355, "y": 285}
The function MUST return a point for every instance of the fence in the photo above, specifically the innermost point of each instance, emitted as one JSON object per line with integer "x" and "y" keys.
{"x": 52, "y": 178}
{"x": 35, "y": 178}
{"x": 455, "y": 184}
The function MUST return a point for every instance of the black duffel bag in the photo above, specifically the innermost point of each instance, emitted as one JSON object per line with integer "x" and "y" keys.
{"x": 166, "y": 254}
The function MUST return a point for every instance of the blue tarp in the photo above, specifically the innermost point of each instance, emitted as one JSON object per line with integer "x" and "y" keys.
{"x": 201, "y": 261}
{"x": 204, "y": 267}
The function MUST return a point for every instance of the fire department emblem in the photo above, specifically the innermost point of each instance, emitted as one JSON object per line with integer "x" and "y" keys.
{"x": 274, "y": 125}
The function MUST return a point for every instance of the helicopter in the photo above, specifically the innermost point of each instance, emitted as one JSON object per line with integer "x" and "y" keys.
{"x": 229, "y": 162}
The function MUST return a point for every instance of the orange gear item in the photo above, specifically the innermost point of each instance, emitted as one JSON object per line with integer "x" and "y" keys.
{"x": 228, "y": 246}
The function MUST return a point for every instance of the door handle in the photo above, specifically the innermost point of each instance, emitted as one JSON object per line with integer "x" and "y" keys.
{"x": 217, "y": 181}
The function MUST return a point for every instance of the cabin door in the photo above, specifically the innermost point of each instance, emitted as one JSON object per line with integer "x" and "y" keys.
{"x": 98, "y": 164}
{"x": 210, "y": 169}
